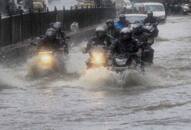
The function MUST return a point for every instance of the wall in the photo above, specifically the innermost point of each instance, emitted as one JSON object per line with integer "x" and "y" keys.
{"x": 3, "y": 4}
{"x": 20, "y": 27}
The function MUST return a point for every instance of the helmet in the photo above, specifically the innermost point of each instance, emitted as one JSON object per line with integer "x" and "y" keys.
{"x": 110, "y": 23}
{"x": 50, "y": 33}
{"x": 150, "y": 14}
{"x": 125, "y": 33}
{"x": 122, "y": 17}
{"x": 57, "y": 25}
{"x": 100, "y": 32}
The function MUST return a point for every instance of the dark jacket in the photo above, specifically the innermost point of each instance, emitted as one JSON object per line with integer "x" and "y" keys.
{"x": 152, "y": 20}
{"x": 49, "y": 43}
{"x": 112, "y": 34}
{"x": 61, "y": 34}
{"x": 128, "y": 46}
{"x": 96, "y": 41}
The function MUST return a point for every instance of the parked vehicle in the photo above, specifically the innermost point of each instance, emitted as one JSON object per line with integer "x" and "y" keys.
{"x": 158, "y": 9}
{"x": 186, "y": 8}
{"x": 135, "y": 19}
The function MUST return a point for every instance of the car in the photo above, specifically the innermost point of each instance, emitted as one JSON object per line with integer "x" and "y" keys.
{"x": 157, "y": 8}
{"x": 135, "y": 19}
{"x": 186, "y": 8}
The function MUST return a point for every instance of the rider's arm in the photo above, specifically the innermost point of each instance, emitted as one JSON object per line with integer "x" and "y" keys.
{"x": 113, "y": 45}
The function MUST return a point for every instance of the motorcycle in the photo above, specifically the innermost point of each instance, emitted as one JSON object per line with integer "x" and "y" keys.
{"x": 101, "y": 57}
{"x": 186, "y": 8}
{"x": 98, "y": 57}
{"x": 122, "y": 62}
{"x": 46, "y": 61}
{"x": 152, "y": 29}
{"x": 146, "y": 35}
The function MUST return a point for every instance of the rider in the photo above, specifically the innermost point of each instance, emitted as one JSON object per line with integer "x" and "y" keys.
{"x": 60, "y": 35}
{"x": 98, "y": 39}
{"x": 111, "y": 32}
{"x": 122, "y": 23}
{"x": 142, "y": 35}
{"x": 150, "y": 19}
{"x": 58, "y": 27}
{"x": 139, "y": 33}
{"x": 153, "y": 21}
{"x": 110, "y": 29}
{"x": 50, "y": 41}
{"x": 125, "y": 43}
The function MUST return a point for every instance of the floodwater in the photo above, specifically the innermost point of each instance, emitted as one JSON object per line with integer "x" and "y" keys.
{"x": 103, "y": 100}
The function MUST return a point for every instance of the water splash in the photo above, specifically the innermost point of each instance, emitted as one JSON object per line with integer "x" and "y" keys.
{"x": 99, "y": 77}
{"x": 103, "y": 77}
{"x": 11, "y": 77}
{"x": 76, "y": 60}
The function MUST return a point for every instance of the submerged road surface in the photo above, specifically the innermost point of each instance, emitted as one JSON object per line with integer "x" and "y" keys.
{"x": 104, "y": 100}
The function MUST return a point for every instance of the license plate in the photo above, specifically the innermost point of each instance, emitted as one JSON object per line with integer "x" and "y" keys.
{"x": 120, "y": 62}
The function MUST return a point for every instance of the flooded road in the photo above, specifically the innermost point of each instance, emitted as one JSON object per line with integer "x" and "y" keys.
{"x": 104, "y": 100}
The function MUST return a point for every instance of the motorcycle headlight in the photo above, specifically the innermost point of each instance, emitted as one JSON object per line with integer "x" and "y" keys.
{"x": 98, "y": 58}
{"x": 45, "y": 59}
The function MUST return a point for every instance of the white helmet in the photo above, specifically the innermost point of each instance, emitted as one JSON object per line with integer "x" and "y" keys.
{"x": 100, "y": 29}
{"x": 100, "y": 32}
{"x": 125, "y": 33}
{"x": 126, "y": 30}
{"x": 50, "y": 33}
{"x": 57, "y": 25}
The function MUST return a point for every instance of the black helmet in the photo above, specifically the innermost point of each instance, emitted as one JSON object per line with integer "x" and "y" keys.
{"x": 122, "y": 17}
{"x": 100, "y": 32}
{"x": 51, "y": 33}
{"x": 150, "y": 14}
{"x": 125, "y": 33}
